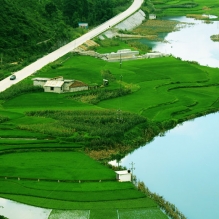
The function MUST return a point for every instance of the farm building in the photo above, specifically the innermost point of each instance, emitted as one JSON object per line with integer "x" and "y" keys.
{"x": 40, "y": 81}
{"x": 59, "y": 85}
{"x": 53, "y": 86}
{"x": 123, "y": 175}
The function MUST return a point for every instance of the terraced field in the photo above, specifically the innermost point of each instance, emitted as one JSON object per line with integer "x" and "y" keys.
{"x": 45, "y": 137}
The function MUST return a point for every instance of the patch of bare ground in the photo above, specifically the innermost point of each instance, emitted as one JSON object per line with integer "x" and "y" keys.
{"x": 106, "y": 154}
{"x": 151, "y": 28}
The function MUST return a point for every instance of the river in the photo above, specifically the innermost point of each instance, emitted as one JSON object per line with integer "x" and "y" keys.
{"x": 183, "y": 166}
{"x": 192, "y": 42}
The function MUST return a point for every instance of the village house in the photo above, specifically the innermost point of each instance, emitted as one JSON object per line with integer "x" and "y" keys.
{"x": 124, "y": 175}
{"x": 83, "y": 25}
{"x": 60, "y": 85}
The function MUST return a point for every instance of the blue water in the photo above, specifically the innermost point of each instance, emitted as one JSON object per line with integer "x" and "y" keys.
{"x": 191, "y": 42}
{"x": 183, "y": 167}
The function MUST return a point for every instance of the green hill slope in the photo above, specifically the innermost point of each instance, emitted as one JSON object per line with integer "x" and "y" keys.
{"x": 32, "y": 28}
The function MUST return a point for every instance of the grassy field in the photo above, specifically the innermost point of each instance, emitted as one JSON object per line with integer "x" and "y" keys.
{"x": 183, "y": 7}
{"x": 149, "y": 213}
{"x": 159, "y": 85}
{"x": 44, "y": 138}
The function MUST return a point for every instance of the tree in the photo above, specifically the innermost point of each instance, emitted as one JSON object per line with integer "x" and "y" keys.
{"x": 50, "y": 8}
{"x": 2, "y": 217}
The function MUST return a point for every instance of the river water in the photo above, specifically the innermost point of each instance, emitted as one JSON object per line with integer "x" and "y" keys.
{"x": 192, "y": 42}
{"x": 14, "y": 210}
{"x": 183, "y": 166}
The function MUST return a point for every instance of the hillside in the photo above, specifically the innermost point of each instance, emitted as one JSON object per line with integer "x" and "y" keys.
{"x": 32, "y": 28}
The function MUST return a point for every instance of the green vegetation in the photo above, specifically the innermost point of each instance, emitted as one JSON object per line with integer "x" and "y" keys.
{"x": 155, "y": 29}
{"x": 183, "y": 7}
{"x": 170, "y": 209}
{"x": 32, "y": 29}
{"x": 215, "y": 38}
{"x": 2, "y": 217}
{"x": 115, "y": 44}
{"x": 62, "y": 126}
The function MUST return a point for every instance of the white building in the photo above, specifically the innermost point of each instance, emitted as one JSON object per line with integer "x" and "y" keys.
{"x": 122, "y": 54}
{"x": 83, "y": 25}
{"x": 152, "y": 16}
{"x": 124, "y": 176}
{"x": 40, "y": 81}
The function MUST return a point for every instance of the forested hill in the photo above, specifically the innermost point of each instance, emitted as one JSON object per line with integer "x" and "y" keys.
{"x": 31, "y": 28}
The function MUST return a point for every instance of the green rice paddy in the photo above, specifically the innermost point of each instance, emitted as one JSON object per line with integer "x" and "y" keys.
{"x": 46, "y": 170}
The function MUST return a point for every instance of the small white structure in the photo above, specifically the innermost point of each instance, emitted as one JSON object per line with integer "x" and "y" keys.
{"x": 122, "y": 54}
{"x": 124, "y": 175}
{"x": 40, "y": 81}
{"x": 152, "y": 16}
{"x": 83, "y": 25}
{"x": 154, "y": 55}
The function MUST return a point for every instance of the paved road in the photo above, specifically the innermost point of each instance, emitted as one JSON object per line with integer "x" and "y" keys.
{"x": 30, "y": 69}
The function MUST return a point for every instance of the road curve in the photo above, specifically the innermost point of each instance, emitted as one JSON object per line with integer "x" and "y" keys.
{"x": 30, "y": 69}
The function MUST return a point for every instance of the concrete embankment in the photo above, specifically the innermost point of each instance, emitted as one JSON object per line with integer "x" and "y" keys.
{"x": 128, "y": 24}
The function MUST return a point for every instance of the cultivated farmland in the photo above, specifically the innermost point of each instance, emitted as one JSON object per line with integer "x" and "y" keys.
{"x": 45, "y": 135}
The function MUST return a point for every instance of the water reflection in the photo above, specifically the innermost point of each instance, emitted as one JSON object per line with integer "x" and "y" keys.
{"x": 14, "y": 210}
{"x": 192, "y": 42}
{"x": 183, "y": 167}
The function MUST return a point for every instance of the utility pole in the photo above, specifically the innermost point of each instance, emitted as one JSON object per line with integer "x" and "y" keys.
{"x": 132, "y": 171}
{"x": 132, "y": 167}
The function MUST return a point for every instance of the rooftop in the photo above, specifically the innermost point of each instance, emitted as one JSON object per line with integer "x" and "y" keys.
{"x": 123, "y": 172}
{"x": 40, "y": 79}
{"x": 77, "y": 84}
{"x": 53, "y": 83}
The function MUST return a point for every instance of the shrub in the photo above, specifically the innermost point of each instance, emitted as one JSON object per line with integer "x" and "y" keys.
{"x": 18, "y": 89}
{"x": 3, "y": 119}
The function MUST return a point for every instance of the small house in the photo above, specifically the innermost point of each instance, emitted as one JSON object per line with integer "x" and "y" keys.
{"x": 124, "y": 175}
{"x": 40, "y": 81}
{"x": 83, "y": 25}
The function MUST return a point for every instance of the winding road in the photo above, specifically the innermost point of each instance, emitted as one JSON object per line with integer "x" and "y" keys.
{"x": 30, "y": 69}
